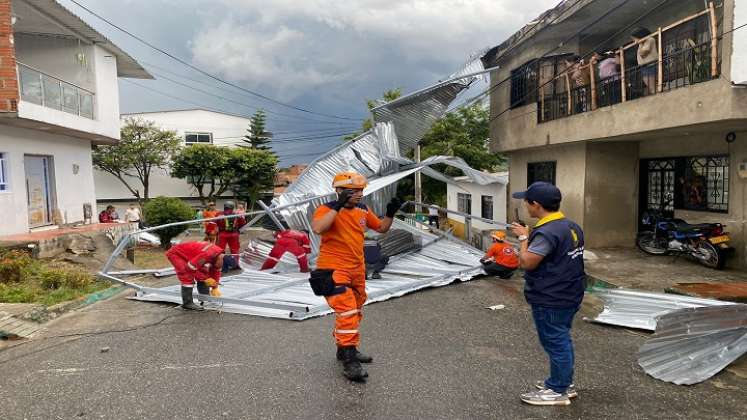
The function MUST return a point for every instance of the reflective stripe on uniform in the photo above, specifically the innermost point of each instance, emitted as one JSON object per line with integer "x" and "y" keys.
{"x": 273, "y": 258}
{"x": 348, "y": 313}
{"x": 191, "y": 267}
{"x": 346, "y": 331}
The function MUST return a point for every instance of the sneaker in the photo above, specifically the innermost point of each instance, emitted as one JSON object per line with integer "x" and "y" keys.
{"x": 545, "y": 397}
{"x": 571, "y": 391}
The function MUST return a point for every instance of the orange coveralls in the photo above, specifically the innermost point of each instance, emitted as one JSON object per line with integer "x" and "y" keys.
{"x": 503, "y": 254}
{"x": 342, "y": 251}
{"x": 211, "y": 228}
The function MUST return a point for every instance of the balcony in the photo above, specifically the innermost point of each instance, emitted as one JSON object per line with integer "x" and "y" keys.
{"x": 688, "y": 54}
{"x": 42, "y": 89}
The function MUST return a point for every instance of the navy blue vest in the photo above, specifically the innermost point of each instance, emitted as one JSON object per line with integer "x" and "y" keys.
{"x": 558, "y": 281}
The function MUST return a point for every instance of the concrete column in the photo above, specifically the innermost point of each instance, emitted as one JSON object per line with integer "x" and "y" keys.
{"x": 8, "y": 75}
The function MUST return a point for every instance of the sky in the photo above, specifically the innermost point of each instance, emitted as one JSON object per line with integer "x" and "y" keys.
{"x": 325, "y": 56}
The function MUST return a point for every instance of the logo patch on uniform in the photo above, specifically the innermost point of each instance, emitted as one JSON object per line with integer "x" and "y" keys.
{"x": 575, "y": 237}
{"x": 508, "y": 251}
{"x": 362, "y": 222}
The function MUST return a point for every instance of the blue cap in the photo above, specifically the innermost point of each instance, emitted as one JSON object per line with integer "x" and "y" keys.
{"x": 541, "y": 192}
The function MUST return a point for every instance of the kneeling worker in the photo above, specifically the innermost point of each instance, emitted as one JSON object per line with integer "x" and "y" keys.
{"x": 501, "y": 259}
{"x": 342, "y": 224}
{"x": 199, "y": 262}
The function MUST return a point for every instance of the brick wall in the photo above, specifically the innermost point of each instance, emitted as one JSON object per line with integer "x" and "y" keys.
{"x": 8, "y": 76}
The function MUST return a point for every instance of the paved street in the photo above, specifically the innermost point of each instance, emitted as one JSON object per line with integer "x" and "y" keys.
{"x": 439, "y": 354}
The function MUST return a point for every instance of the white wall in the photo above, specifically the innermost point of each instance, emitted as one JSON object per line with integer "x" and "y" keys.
{"x": 100, "y": 77}
{"x": 226, "y": 129}
{"x": 497, "y": 191}
{"x": 72, "y": 190}
{"x": 739, "y": 56}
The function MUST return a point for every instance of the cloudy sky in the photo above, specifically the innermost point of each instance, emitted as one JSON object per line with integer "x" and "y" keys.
{"x": 323, "y": 55}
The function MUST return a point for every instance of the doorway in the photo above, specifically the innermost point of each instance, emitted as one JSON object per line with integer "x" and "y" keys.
{"x": 39, "y": 189}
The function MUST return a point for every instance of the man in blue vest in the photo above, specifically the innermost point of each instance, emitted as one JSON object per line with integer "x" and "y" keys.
{"x": 552, "y": 257}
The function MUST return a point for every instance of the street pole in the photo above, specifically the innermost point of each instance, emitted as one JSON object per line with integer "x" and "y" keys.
{"x": 418, "y": 185}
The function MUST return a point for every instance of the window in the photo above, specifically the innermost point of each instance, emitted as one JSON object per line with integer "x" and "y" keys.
{"x": 464, "y": 203}
{"x": 487, "y": 207}
{"x": 698, "y": 183}
{"x": 4, "y": 169}
{"x": 194, "y": 138}
{"x": 524, "y": 84}
{"x": 541, "y": 171}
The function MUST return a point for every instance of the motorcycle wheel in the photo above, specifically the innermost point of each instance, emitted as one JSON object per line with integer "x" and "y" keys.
{"x": 708, "y": 255}
{"x": 650, "y": 244}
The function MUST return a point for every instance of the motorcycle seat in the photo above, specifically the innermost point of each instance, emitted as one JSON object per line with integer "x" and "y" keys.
{"x": 686, "y": 227}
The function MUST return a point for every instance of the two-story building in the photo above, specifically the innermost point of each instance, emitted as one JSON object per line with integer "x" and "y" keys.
{"x": 622, "y": 132}
{"x": 58, "y": 97}
{"x": 194, "y": 126}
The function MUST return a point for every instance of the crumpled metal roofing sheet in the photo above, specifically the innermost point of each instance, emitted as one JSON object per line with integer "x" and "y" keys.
{"x": 638, "y": 309}
{"x": 288, "y": 295}
{"x": 691, "y": 345}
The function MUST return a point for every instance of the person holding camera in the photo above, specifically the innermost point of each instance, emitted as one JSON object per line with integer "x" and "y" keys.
{"x": 341, "y": 268}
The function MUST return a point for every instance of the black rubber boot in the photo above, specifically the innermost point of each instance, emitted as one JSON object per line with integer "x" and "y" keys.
{"x": 352, "y": 367}
{"x": 362, "y": 357}
{"x": 187, "y": 301}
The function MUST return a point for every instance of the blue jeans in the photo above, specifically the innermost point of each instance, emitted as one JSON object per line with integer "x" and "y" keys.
{"x": 554, "y": 331}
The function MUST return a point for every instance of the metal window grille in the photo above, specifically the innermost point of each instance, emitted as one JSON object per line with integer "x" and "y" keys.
{"x": 486, "y": 206}
{"x": 195, "y": 138}
{"x": 541, "y": 171}
{"x": 706, "y": 183}
{"x": 660, "y": 194}
{"x": 4, "y": 184}
{"x": 464, "y": 203}
{"x": 524, "y": 84}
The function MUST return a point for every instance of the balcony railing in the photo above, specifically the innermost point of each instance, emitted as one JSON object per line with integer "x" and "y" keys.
{"x": 42, "y": 89}
{"x": 689, "y": 56}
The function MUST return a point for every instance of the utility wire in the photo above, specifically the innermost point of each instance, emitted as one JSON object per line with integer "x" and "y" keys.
{"x": 210, "y": 75}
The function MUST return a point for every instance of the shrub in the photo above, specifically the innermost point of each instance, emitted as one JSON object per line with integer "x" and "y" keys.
{"x": 12, "y": 265}
{"x": 163, "y": 210}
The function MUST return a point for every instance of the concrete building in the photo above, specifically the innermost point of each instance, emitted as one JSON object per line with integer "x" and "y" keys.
{"x": 58, "y": 96}
{"x": 670, "y": 135}
{"x": 194, "y": 126}
{"x": 486, "y": 201}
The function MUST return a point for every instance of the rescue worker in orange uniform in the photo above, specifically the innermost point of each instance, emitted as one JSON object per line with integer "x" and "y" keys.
{"x": 228, "y": 231}
{"x": 199, "y": 262}
{"x": 342, "y": 224}
{"x": 211, "y": 228}
{"x": 501, "y": 259}
{"x": 293, "y": 241}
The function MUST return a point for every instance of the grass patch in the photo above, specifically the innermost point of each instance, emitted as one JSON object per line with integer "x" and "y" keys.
{"x": 151, "y": 257}
{"x": 27, "y": 280}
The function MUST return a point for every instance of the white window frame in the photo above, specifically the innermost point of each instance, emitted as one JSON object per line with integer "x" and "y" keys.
{"x": 464, "y": 203}
{"x": 4, "y": 173}
{"x": 482, "y": 207}
{"x": 198, "y": 134}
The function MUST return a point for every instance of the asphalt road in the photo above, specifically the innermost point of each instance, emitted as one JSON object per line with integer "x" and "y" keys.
{"x": 439, "y": 354}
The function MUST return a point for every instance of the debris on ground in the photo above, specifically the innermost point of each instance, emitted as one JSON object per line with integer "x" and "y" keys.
{"x": 496, "y": 307}
{"x": 732, "y": 292}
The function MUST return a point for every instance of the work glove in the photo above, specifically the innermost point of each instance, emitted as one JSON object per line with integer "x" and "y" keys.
{"x": 393, "y": 207}
{"x": 342, "y": 198}
{"x": 211, "y": 282}
{"x": 215, "y": 292}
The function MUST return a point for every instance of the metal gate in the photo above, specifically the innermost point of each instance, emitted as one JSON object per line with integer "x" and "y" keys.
{"x": 657, "y": 184}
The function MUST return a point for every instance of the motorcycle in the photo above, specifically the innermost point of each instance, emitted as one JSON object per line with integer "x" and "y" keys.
{"x": 707, "y": 243}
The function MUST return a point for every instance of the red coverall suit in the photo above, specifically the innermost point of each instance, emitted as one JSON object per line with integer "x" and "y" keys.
{"x": 293, "y": 241}
{"x": 228, "y": 232}
{"x": 194, "y": 261}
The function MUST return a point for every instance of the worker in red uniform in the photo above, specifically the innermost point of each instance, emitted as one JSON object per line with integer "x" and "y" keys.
{"x": 341, "y": 266}
{"x": 228, "y": 230}
{"x": 501, "y": 259}
{"x": 293, "y": 241}
{"x": 199, "y": 262}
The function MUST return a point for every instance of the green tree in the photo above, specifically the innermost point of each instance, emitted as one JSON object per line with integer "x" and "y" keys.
{"x": 207, "y": 168}
{"x": 143, "y": 147}
{"x": 368, "y": 123}
{"x": 257, "y": 135}
{"x": 465, "y": 134}
{"x": 163, "y": 210}
{"x": 254, "y": 173}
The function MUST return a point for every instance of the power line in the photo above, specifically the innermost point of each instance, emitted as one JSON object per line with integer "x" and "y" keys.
{"x": 259, "y": 95}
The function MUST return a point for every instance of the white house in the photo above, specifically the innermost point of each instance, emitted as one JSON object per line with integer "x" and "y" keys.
{"x": 193, "y": 126}
{"x": 485, "y": 201}
{"x": 58, "y": 96}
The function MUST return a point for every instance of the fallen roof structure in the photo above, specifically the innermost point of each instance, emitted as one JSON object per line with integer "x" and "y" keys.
{"x": 691, "y": 345}
{"x": 638, "y": 309}
{"x": 439, "y": 259}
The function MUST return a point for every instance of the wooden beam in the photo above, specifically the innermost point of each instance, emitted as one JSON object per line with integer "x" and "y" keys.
{"x": 593, "y": 81}
{"x": 668, "y": 27}
{"x": 714, "y": 41}
{"x": 568, "y": 92}
{"x": 542, "y": 103}
{"x": 660, "y": 66}
{"x": 623, "y": 92}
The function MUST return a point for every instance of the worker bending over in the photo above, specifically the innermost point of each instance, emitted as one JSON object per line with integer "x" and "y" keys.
{"x": 199, "y": 262}
{"x": 501, "y": 259}
{"x": 293, "y": 241}
{"x": 341, "y": 265}
{"x": 228, "y": 231}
